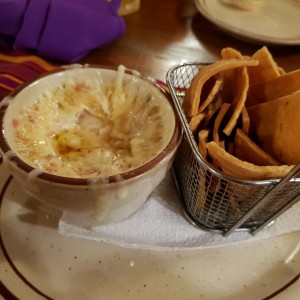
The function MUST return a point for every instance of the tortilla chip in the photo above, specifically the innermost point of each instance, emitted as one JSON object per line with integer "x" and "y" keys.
{"x": 245, "y": 120}
{"x": 230, "y": 147}
{"x": 195, "y": 122}
{"x": 191, "y": 101}
{"x": 228, "y": 53}
{"x": 281, "y": 70}
{"x": 245, "y": 149}
{"x": 211, "y": 96}
{"x": 201, "y": 197}
{"x": 230, "y": 76}
{"x": 254, "y": 145}
{"x": 273, "y": 89}
{"x": 220, "y": 117}
{"x": 203, "y": 139}
{"x": 276, "y": 125}
{"x": 209, "y": 183}
{"x": 239, "y": 169}
{"x": 267, "y": 68}
{"x": 241, "y": 88}
{"x": 210, "y": 112}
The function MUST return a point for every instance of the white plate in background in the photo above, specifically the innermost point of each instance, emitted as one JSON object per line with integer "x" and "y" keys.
{"x": 274, "y": 22}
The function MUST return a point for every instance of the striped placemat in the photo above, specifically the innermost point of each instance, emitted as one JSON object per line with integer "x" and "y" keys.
{"x": 19, "y": 67}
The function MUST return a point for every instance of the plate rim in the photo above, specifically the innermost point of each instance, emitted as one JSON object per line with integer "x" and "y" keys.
{"x": 241, "y": 33}
{"x": 35, "y": 289}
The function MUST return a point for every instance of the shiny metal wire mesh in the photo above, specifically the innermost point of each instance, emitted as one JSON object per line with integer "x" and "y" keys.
{"x": 211, "y": 200}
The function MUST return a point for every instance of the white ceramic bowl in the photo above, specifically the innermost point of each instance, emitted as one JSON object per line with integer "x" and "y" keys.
{"x": 101, "y": 200}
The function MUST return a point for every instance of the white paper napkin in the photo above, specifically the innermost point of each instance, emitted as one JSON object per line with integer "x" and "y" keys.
{"x": 159, "y": 224}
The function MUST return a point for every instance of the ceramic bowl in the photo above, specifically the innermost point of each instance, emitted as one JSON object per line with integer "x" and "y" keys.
{"x": 99, "y": 199}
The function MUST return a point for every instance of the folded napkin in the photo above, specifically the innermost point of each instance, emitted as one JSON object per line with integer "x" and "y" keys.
{"x": 160, "y": 225}
{"x": 61, "y": 30}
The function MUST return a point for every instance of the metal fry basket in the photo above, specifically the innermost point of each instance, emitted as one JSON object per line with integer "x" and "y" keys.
{"x": 211, "y": 200}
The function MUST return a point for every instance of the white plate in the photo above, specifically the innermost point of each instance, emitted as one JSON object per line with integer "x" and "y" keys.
{"x": 36, "y": 262}
{"x": 267, "y": 22}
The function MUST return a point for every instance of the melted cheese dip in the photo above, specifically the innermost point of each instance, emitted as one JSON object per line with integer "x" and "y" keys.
{"x": 87, "y": 128}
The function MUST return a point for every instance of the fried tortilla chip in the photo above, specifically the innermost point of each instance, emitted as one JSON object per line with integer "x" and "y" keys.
{"x": 267, "y": 68}
{"x": 203, "y": 139}
{"x": 245, "y": 149}
{"x": 220, "y": 117}
{"x": 273, "y": 89}
{"x": 210, "y": 112}
{"x": 191, "y": 101}
{"x": 245, "y": 120}
{"x": 201, "y": 197}
{"x": 239, "y": 169}
{"x": 213, "y": 183}
{"x": 230, "y": 76}
{"x": 276, "y": 125}
{"x": 211, "y": 96}
{"x": 281, "y": 70}
{"x": 228, "y": 53}
{"x": 235, "y": 87}
{"x": 196, "y": 121}
{"x": 243, "y": 112}
{"x": 241, "y": 88}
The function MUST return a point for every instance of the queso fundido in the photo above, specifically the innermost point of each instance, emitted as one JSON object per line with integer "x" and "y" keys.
{"x": 88, "y": 128}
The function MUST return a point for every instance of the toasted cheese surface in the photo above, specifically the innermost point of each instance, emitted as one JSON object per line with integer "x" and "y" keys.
{"x": 87, "y": 128}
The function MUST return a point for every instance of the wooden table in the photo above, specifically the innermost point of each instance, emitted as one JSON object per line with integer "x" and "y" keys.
{"x": 164, "y": 33}
{"x": 38, "y": 262}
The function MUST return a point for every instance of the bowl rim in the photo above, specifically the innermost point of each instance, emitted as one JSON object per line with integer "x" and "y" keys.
{"x": 42, "y": 175}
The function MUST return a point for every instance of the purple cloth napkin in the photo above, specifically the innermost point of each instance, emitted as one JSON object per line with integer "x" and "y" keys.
{"x": 64, "y": 30}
